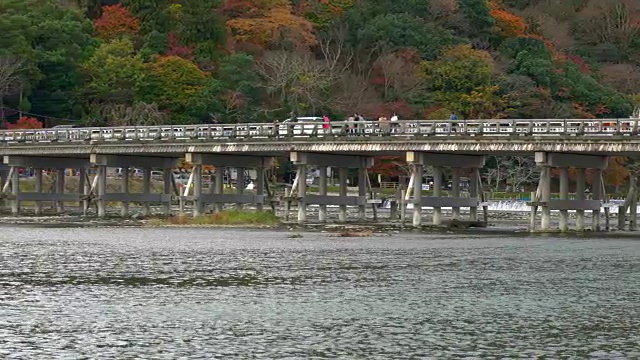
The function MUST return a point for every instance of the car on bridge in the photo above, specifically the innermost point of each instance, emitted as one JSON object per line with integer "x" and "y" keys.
{"x": 305, "y": 125}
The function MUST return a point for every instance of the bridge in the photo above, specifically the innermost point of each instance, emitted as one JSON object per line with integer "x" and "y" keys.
{"x": 459, "y": 145}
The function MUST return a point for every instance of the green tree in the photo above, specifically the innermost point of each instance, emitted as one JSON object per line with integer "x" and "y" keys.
{"x": 177, "y": 85}
{"x": 200, "y": 25}
{"x": 462, "y": 79}
{"x": 114, "y": 72}
{"x": 403, "y": 30}
{"x": 51, "y": 39}
{"x": 235, "y": 90}
{"x": 478, "y": 15}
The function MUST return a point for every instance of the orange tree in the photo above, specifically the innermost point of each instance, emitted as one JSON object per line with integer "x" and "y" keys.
{"x": 25, "y": 123}
{"x": 116, "y": 21}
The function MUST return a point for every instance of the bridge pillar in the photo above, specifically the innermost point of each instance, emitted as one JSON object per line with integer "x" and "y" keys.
{"x": 101, "y": 189}
{"x": 219, "y": 186}
{"x": 84, "y": 189}
{"x": 240, "y": 183}
{"x": 145, "y": 198}
{"x": 342, "y": 175}
{"x": 543, "y": 199}
{"x": 4, "y": 176}
{"x": 580, "y": 188}
{"x": 260, "y": 180}
{"x": 440, "y": 161}
{"x": 38, "y": 189}
{"x": 197, "y": 190}
{"x": 220, "y": 161}
{"x": 455, "y": 192}
{"x": 342, "y": 162}
{"x": 597, "y": 194}
{"x": 124, "y": 188}
{"x": 59, "y": 182}
{"x": 58, "y": 196}
{"x": 146, "y": 189}
{"x": 322, "y": 191}
{"x": 418, "y": 176}
{"x": 15, "y": 191}
{"x": 302, "y": 193}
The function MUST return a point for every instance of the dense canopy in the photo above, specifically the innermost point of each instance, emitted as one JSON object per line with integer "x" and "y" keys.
{"x": 193, "y": 61}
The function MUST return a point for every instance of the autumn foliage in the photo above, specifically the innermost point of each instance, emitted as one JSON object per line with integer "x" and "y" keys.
{"x": 116, "y": 21}
{"x": 264, "y": 22}
{"x": 508, "y": 25}
{"x": 25, "y": 123}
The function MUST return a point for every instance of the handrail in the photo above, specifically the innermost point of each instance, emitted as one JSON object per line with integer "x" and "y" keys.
{"x": 355, "y": 129}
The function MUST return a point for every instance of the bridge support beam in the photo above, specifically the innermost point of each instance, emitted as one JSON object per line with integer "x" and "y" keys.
{"x": 126, "y": 197}
{"x": 216, "y": 195}
{"x": 457, "y": 163}
{"x": 543, "y": 199}
{"x": 55, "y": 194}
{"x": 323, "y": 161}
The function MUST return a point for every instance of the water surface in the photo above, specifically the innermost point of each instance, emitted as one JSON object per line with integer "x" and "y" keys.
{"x": 197, "y": 293}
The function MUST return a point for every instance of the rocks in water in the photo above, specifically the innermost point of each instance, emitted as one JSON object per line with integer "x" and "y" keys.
{"x": 462, "y": 224}
{"x": 138, "y": 216}
{"x": 352, "y": 233}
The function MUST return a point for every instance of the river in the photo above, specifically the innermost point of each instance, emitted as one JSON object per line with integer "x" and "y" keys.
{"x": 152, "y": 293}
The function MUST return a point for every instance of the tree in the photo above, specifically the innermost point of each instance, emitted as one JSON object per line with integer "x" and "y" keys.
{"x": 507, "y": 24}
{"x": 25, "y": 123}
{"x": 267, "y": 22}
{"x": 608, "y": 22}
{"x": 177, "y": 85}
{"x": 513, "y": 172}
{"x": 616, "y": 173}
{"x": 323, "y": 13}
{"x": 237, "y": 89}
{"x": 462, "y": 79}
{"x": 153, "y": 14}
{"x": 137, "y": 114}
{"x": 390, "y": 167}
{"x": 10, "y": 74}
{"x": 199, "y": 27}
{"x": 296, "y": 81}
{"x": 478, "y": 15}
{"x": 50, "y": 40}
{"x": 113, "y": 73}
{"x": 116, "y": 21}
{"x": 399, "y": 31}
{"x": 396, "y": 74}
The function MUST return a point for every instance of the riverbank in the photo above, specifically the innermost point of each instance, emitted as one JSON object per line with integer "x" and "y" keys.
{"x": 500, "y": 222}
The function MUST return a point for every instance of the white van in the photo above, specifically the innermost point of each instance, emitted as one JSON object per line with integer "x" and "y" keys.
{"x": 311, "y": 124}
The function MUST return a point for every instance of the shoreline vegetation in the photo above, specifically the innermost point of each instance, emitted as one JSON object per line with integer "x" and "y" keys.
{"x": 223, "y": 218}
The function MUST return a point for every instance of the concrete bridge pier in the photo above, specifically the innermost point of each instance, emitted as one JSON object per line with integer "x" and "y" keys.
{"x": 542, "y": 197}
{"x": 38, "y": 188}
{"x": 323, "y": 161}
{"x": 439, "y": 162}
{"x": 4, "y": 175}
{"x": 124, "y": 188}
{"x": 322, "y": 191}
{"x": 218, "y": 197}
{"x": 343, "y": 186}
{"x": 125, "y": 196}
{"x": 57, "y": 193}
{"x": 630, "y": 204}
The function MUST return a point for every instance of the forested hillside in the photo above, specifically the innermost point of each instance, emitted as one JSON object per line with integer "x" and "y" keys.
{"x": 186, "y": 61}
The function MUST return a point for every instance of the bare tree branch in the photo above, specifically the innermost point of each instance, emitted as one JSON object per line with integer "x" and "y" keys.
{"x": 10, "y": 77}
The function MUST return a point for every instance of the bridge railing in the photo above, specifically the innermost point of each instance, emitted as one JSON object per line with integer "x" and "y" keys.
{"x": 262, "y": 131}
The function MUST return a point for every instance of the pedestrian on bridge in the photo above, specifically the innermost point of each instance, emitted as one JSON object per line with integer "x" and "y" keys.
{"x": 453, "y": 116}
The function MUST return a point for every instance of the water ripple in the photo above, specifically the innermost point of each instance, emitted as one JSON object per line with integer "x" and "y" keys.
{"x": 210, "y": 294}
